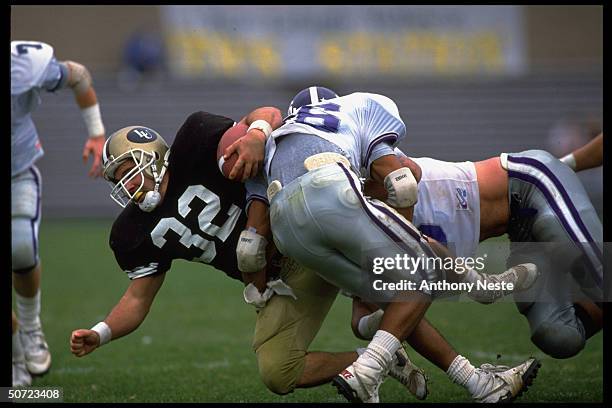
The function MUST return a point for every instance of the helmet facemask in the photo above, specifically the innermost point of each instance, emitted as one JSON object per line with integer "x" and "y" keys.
{"x": 144, "y": 166}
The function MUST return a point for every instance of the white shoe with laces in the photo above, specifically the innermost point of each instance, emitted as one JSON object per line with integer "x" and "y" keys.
{"x": 497, "y": 383}
{"x": 409, "y": 375}
{"x": 36, "y": 351}
{"x": 359, "y": 383}
{"x": 521, "y": 277}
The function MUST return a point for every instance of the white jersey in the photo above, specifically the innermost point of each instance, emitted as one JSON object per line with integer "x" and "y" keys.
{"x": 357, "y": 123}
{"x": 448, "y": 207}
{"x": 32, "y": 68}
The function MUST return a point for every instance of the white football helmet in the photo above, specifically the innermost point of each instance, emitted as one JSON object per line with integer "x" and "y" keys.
{"x": 148, "y": 150}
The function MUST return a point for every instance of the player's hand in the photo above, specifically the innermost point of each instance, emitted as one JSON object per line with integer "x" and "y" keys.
{"x": 83, "y": 342}
{"x": 250, "y": 149}
{"x": 94, "y": 145}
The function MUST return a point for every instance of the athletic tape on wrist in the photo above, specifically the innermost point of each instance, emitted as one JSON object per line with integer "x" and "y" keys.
{"x": 263, "y": 126}
{"x": 93, "y": 120}
{"x": 570, "y": 160}
{"x": 104, "y": 331}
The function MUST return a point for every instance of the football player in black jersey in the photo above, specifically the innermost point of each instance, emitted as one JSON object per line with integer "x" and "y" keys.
{"x": 177, "y": 205}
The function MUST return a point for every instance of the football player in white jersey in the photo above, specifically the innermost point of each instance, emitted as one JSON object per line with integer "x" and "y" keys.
{"x": 465, "y": 203}
{"x": 34, "y": 69}
{"x": 320, "y": 217}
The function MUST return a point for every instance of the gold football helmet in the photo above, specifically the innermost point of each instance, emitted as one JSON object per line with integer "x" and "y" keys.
{"x": 146, "y": 148}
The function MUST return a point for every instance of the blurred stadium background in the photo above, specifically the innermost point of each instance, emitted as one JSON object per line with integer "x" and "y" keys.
{"x": 470, "y": 82}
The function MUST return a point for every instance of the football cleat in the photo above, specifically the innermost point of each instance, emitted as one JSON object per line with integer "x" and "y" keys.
{"x": 21, "y": 376}
{"x": 521, "y": 276}
{"x": 409, "y": 375}
{"x": 359, "y": 383}
{"x": 502, "y": 383}
{"x": 36, "y": 351}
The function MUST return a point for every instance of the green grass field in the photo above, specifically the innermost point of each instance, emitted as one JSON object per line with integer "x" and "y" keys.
{"x": 195, "y": 345}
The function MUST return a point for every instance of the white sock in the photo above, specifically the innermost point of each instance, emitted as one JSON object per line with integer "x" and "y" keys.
{"x": 28, "y": 311}
{"x": 17, "y": 349}
{"x": 368, "y": 324}
{"x": 461, "y": 371}
{"x": 380, "y": 352}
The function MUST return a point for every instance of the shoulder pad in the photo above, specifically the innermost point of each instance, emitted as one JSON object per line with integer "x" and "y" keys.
{"x": 29, "y": 59}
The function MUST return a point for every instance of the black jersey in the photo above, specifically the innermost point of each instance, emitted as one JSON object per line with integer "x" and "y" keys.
{"x": 202, "y": 213}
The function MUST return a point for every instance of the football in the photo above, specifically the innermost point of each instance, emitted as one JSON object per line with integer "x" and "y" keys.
{"x": 230, "y": 136}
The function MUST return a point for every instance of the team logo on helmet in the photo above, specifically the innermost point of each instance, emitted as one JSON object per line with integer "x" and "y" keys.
{"x": 141, "y": 135}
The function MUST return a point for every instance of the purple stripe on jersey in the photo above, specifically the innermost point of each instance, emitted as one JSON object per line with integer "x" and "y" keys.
{"x": 414, "y": 233}
{"x": 568, "y": 201}
{"x": 382, "y": 226}
{"x": 551, "y": 201}
{"x": 382, "y": 138}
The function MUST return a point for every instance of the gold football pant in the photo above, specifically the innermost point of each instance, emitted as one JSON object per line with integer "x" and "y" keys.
{"x": 285, "y": 327}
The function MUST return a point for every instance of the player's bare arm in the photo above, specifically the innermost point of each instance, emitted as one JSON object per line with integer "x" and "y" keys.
{"x": 250, "y": 148}
{"x": 586, "y": 157}
{"x": 79, "y": 80}
{"x": 125, "y": 317}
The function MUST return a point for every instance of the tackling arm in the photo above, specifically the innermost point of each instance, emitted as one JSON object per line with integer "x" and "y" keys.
{"x": 586, "y": 157}
{"x": 250, "y": 148}
{"x": 125, "y": 317}
{"x": 79, "y": 80}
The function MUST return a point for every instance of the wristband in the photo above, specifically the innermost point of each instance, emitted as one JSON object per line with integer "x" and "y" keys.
{"x": 93, "y": 120}
{"x": 104, "y": 331}
{"x": 263, "y": 126}
{"x": 570, "y": 160}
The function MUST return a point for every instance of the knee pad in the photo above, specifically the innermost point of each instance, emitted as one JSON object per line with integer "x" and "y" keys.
{"x": 558, "y": 340}
{"x": 278, "y": 371}
{"x": 24, "y": 244}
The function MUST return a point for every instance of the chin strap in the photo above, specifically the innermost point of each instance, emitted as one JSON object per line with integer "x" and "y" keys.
{"x": 153, "y": 198}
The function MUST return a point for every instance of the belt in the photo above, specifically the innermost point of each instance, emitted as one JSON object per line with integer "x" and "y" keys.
{"x": 311, "y": 163}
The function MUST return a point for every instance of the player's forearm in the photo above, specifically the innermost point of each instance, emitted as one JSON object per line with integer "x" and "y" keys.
{"x": 86, "y": 99}
{"x": 258, "y": 217}
{"x": 79, "y": 80}
{"x": 126, "y": 316}
{"x": 268, "y": 113}
{"x": 134, "y": 305}
{"x": 589, "y": 155}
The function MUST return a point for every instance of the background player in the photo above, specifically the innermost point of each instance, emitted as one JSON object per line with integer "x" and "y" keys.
{"x": 34, "y": 68}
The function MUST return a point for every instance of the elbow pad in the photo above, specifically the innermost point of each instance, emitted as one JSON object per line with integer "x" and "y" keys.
{"x": 402, "y": 190}
{"x": 79, "y": 79}
{"x": 251, "y": 251}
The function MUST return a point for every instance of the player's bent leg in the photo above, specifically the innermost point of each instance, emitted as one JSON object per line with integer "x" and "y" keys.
{"x": 285, "y": 328}
{"x": 555, "y": 329}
